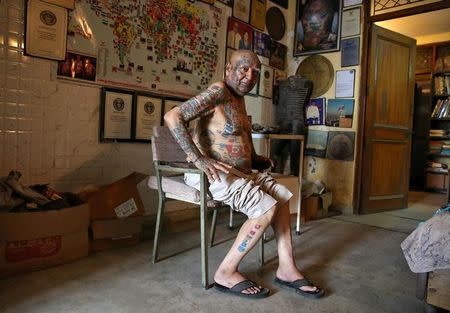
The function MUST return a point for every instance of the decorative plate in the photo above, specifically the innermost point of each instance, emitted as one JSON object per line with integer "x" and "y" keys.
{"x": 275, "y": 23}
{"x": 320, "y": 71}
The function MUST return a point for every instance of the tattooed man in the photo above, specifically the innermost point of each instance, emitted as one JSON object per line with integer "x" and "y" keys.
{"x": 219, "y": 143}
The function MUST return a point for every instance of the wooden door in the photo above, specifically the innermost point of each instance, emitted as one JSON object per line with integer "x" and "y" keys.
{"x": 387, "y": 121}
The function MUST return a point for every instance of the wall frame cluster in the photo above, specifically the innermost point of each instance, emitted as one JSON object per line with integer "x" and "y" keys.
{"x": 129, "y": 116}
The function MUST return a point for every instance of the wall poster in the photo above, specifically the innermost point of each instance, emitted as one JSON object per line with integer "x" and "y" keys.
{"x": 169, "y": 47}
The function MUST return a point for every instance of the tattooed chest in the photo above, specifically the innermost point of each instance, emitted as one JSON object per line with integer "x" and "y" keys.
{"x": 236, "y": 120}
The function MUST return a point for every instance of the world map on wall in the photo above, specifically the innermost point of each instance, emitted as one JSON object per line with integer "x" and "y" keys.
{"x": 171, "y": 47}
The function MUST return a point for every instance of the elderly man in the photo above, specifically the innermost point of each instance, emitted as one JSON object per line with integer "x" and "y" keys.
{"x": 219, "y": 143}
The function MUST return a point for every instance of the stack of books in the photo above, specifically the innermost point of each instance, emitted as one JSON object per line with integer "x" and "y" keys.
{"x": 435, "y": 167}
{"x": 438, "y": 132}
{"x": 442, "y": 109}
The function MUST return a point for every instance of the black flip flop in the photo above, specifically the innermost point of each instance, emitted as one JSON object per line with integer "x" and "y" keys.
{"x": 239, "y": 287}
{"x": 296, "y": 284}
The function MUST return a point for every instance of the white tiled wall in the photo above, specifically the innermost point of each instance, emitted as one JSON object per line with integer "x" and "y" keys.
{"x": 49, "y": 128}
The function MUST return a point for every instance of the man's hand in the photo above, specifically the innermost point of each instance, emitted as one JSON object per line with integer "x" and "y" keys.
{"x": 262, "y": 163}
{"x": 211, "y": 167}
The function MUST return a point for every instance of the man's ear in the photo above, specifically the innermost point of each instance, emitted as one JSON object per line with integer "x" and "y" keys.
{"x": 228, "y": 68}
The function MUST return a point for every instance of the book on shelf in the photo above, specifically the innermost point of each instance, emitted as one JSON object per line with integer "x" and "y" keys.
{"x": 441, "y": 109}
{"x": 439, "y": 85}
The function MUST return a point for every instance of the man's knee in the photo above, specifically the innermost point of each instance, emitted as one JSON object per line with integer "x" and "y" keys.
{"x": 269, "y": 214}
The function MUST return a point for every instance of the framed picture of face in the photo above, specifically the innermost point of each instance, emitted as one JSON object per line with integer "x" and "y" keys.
{"x": 240, "y": 35}
{"x": 261, "y": 44}
{"x": 317, "y": 26}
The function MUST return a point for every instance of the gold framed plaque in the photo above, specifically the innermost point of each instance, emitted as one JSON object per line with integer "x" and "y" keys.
{"x": 45, "y": 30}
{"x": 320, "y": 71}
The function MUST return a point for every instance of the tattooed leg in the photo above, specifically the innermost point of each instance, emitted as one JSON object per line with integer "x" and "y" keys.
{"x": 251, "y": 231}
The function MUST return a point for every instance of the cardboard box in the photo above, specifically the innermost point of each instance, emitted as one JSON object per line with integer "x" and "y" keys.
{"x": 310, "y": 208}
{"x": 117, "y": 200}
{"x": 112, "y": 233}
{"x": 36, "y": 240}
{"x": 437, "y": 181}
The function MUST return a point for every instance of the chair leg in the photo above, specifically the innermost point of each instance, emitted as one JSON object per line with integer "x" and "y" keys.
{"x": 212, "y": 232}
{"x": 159, "y": 218}
{"x": 230, "y": 224}
{"x": 261, "y": 249}
{"x": 203, "y": 241}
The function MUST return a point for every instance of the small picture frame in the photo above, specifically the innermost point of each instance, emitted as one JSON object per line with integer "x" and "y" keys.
{"x": 45, "y": 30}
{"x": 266, "y": 82}
{"x": 116, "y": 115}
{"x": 351, "y": 22}
{"x": 239, "y": 35}
{"x": 345, "y": 83}
{"x": 348, "y": 3}
{"x": 261, "y": 43}
{"x": 77, "y": 67}
{"x": 147, "y": 113}
{"x": 258, "y": 14}
{"x": 241, "y": 10}
{"x": 278, "y": 53}
{"x": 350, "y": 52}
{"x": 339, "y": 113}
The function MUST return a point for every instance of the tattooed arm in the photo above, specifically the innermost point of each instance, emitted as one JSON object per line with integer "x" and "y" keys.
{"x": 177, "y": 119}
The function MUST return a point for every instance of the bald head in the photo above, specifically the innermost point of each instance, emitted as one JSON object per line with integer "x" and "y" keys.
{"x": 242, "y": 72}
{"x": 239, "y": 55}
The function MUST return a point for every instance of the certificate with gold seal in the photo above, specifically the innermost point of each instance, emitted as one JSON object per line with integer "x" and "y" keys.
{"x": 148, "y": 114}
{"x": 46, "y": 30}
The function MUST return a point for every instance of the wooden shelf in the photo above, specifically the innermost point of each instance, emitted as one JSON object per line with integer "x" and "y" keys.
{"x": 439, "y": 137}
{"x": 439, "y": 155}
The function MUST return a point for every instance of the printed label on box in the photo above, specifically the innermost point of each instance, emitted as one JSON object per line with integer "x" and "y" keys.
{"x": 20, "y": 250}
{"x": 126, "y": 209}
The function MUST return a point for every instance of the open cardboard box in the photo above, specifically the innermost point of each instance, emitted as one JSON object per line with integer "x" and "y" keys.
{"x": 36, "y": 240}
{"x": 119, "y": 199}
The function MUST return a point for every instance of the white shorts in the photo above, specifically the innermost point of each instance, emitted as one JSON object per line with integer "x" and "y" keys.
{"x": 252, "y": 196}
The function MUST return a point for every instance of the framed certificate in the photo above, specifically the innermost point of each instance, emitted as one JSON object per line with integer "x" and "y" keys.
{"x": 258, "y": 14}
{"x": 351, "y": 22}
{"x": 345, "y": 83}
{"x": 45, "y": 30}
{"x": 116, "y": 115}
{"x": 241, "y": 10}
{"x": 266, "y": 82}
{"x": 148, "y": 110}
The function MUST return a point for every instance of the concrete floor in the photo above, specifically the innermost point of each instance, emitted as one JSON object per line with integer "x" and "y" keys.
{"x": 361, "y": 268}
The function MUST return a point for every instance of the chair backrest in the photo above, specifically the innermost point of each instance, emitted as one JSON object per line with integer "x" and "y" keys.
{"x": 164, "y": 146}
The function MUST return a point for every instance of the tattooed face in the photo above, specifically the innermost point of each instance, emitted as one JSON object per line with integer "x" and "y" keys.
{"x": 242, "y": 72}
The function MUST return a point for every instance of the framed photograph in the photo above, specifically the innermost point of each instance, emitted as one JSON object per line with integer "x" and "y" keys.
{"x": 315, "y": 111}
{"x": 341, "y": 146}
{"x": 45, "y": 30}
{"x": 261, "y": 43}
{"x": 147, "y": 114}
{"x": 241, "y": 10}
{"x": 339, "y": 113}
{"x": 281, "y": 3}
{"x": 345, "y": 83}
{"x": 278, "y": 53}
{"x": 317, "y": 26}
{"x": 240, "y": 35}
{"x": 316, "y": 145}
{"x": 350, "y": 52}
{"x": 227, "y": 2}
{"x": 258, "y": 14}
{"x": 116, "y": 114}
{"x": 78, "y": 67}
{"x": 266, "y": 82}
{"x": 348, "y": 3}
{"x": 351, "y": 22}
